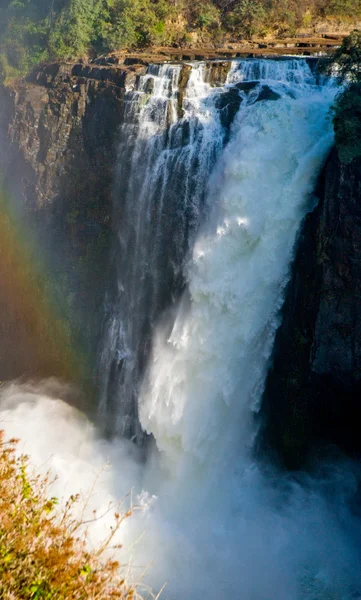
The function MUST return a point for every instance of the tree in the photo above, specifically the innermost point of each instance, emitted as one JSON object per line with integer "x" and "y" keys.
{"x": 73, "y": 30}
{"x": 247, "y": 16}
{"x": 346, "y": 64}
{"x": 343, "y": 8}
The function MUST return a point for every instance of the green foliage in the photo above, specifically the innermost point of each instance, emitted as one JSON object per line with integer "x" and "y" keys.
{"x": 33, "y": 31}
{"x": 204, "y": 15}
{"x": 347, "y": 108}
{"x": 347, "y": 59}
{"x": 248, "y": 15}
{"x": 74, "y": 29}
{"x": 347, "y": 123}
{"x": 289, "y": 15}
{"x": 43, "y": 551}
{"x": 343, "y": 8}
{"x": 24, "y": 28}
{"x": 127, "y": 23}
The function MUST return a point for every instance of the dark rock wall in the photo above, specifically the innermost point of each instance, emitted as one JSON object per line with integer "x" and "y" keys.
{"x": 313, "y": 392}
{"x": 58, "y": 139}
{"x": 58, "y": 151}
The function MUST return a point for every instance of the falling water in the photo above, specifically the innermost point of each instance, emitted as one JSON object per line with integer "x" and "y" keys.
{"x": 207, "y": 373}
{"x": 175, "y": 127}
{"x": 170, "y": 140}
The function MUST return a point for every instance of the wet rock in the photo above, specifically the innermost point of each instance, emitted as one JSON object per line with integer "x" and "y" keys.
{"x": 268, "y": 94}
{"x": 217, "y": 72}
{"x": 228, "y": 104}
{"x": 61, "y": 128}
{"x": 106, "y": 61}
{"x": 313, "y": 393}
{"x": 113, "y": 75}
{"x": 188, "y": 57}
{"x": 246, "y": 86}
{"x": 131, "y": 61}
{"x": 183, "y": 82}
{"x": 149, "y": 86}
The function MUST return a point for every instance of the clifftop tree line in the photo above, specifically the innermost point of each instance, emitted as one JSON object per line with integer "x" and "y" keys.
{"x": 33, "y": 31}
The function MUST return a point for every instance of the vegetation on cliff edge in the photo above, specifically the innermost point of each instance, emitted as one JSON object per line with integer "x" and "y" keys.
{"x": 346, "y": 64}
{"x": 32, "y": 31}
{"x": 43, "y": 551}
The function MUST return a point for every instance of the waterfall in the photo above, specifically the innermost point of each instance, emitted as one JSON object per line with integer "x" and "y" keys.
{"x": 212, "y": 187}
{"x": 207, "y": 373}
{"x": 175, "y": 127}
{"x": 283, "y": 70}
{"x": 170, "y": 140}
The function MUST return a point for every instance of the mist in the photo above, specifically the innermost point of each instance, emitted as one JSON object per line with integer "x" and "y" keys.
{"x": 259, "y": 534}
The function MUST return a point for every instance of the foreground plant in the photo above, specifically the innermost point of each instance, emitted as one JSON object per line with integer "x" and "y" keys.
{"x": 43, "y": 551}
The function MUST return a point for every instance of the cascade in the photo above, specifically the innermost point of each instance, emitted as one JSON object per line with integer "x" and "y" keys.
{"x": 167, "y": 148}
{"x": 175, "y": 126}
{"x": 208, "y": 366}
{"x": 212, "y": 186}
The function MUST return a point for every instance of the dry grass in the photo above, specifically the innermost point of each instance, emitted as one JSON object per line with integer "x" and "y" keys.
{"x": 43, "y": 551}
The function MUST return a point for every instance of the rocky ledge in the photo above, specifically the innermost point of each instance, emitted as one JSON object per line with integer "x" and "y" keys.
{"x": 299, "y": 46}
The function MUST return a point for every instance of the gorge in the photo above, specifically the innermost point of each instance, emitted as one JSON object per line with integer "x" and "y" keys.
{"x": 170, "y": 202}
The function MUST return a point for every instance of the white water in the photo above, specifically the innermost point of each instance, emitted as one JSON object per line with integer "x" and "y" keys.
{"x": 288, "y": 71}
{"x": 216, "y": 523}
{"x": 163, "y": 163}
{"x": 209, "y": 373}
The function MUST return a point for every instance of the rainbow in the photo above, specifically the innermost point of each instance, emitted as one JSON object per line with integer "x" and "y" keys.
{"x": 35, "y": 337}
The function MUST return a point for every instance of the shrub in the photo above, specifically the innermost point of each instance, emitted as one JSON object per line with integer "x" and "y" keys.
{"x": 130, "y": 23}
{"x": 347, "y": 59}
{"x": 73, "y": 30}
{"x": 248, "y": 16}
{"x": 347, "y": 108}
{"x": 4, "y": 68}
{"x": 347, "y": 123}
{"x": 344, "y": 8}
{"x": 43, "y": 553}
{"x": 204, "y": 15}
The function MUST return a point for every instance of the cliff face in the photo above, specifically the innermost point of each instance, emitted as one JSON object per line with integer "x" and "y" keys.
{"x": 58, "y": 152}
{"x": 314, "y": 388}
{"x": 58, "y": 139}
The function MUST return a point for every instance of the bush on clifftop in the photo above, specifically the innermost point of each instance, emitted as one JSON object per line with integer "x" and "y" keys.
{"x": 43, "y": 555}
{"x": 346, "y": 64}
{"x": 347, "y": 123}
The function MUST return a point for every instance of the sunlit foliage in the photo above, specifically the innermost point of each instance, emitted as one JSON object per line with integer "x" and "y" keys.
{"x": 346, "y": 64}
{"x": 43, "y": 552}
{"x": 32, "y": 31}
